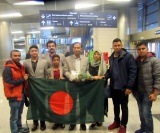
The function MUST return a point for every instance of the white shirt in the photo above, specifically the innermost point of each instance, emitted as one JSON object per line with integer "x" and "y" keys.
{"x": 78, "y": 64}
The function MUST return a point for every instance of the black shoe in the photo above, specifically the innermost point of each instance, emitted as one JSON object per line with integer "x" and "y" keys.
{"x": 83, "y": 127}
{"x": 62, "y": 125}
{"x": 43, "y": 127}
{"x": 99, "y": 124}
{"x": 34, "y": 127}
{"x": 55, "y": 126}
{"x": 93, "y": 125}
{"x": 71, "y": 127}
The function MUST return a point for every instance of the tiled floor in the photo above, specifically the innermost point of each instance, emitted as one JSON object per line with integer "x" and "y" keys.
{"x": 133, "y": 123}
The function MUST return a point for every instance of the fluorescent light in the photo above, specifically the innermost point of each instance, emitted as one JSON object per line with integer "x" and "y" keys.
{"x": 16, "y": 39}
{"x": 32, "y": 32}
{"x": 22, "y": 37}
{"x": 119, "y": 0}
{"x": 45, "y": 28}
{"x": 85, "y": 5}
{"x": 30, "y": 3}
{"x": 16, "y": 32}
{"x": 11, "y": 15}
{"x": 54, "y": 36}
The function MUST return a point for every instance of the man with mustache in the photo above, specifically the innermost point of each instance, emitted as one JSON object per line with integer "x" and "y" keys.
{"x": 51, "y": 46}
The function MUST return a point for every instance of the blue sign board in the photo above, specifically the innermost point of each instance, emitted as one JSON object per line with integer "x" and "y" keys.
{"x": 78, "y": 19}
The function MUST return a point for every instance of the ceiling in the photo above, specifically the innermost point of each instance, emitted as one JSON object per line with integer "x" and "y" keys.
{"x": 30, "y": 14}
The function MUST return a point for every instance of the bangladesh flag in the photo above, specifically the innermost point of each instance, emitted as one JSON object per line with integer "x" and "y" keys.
{"x": 65, "y": 102}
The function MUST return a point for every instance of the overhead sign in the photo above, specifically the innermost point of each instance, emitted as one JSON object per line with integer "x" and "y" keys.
{"x": 78, "y": 19}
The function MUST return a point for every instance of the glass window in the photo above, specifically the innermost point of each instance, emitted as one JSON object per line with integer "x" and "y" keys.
{"x": 140, "y": 23}
{"x": 151, "y": 26}
{"x": 153, "y": 7}
{"x": 152, "y": 18}
{"x": 140, "y": 13}
{"x": 149, "y": 1}
{"x": 140, "y": 20}
{"x": 158, "y": 49}
{"x": 140, "y": 29}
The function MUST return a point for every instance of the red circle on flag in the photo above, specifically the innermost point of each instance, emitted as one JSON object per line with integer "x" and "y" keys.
{"x": 61, "y": 103}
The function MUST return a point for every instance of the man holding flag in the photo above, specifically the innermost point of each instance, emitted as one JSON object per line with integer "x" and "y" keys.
{"x": 76, "y": 63}
{"x": 36, "y": 68}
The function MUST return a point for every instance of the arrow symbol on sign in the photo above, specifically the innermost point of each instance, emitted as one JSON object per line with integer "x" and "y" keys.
{"x": 114, "y": 17}
{"x": 43, "y": 16}
{"x": 71, "y": 22}
{"x": 43, "y": 22}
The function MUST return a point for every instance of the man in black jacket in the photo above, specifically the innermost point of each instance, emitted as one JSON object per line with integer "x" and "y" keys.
{"x": 122, "y": 74}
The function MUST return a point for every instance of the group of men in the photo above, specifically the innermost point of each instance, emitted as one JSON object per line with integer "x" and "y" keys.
{"x": 127, "y": 75}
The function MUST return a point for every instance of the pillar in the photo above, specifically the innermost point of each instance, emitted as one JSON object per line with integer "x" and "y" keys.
{"x": 123, "y": 26}
{"x": 5, "y": 43}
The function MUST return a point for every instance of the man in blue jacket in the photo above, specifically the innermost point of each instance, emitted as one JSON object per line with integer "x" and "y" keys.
{"x": 122, "y": 74}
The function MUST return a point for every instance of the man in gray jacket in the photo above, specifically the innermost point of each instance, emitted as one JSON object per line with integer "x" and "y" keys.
{"x": 36, "y": 68}
{"x": 79, "y": 64}
{"x": 51, "y": 45}
{"x": 148, "y": 85}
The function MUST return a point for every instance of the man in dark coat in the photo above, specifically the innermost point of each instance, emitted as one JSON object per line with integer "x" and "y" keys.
{"x": 122, "y": 74}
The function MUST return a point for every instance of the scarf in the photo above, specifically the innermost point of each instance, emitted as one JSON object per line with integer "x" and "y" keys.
{"x": 101, "y": 63}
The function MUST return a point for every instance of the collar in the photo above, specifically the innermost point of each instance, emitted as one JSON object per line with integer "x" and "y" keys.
{"x": 77, "y": 58}
{"x": 35, "y": 61}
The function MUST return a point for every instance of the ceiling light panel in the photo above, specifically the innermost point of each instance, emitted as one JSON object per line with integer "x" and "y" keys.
{"x": 10, "y": 15}
{"x": 16, "y": 32}
{"x": 29, "y": 3}
{"x": 84, "y": 5}
{"x": 119, "y": 0}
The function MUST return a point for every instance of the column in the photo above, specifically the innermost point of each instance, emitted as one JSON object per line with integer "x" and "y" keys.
{"x": 123, "y": 26}
{"x": 5, "y": 43}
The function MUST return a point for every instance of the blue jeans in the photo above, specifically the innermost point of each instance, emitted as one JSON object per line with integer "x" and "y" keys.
{"x": 145, "y": 105}
{"x": 16, "y": 109}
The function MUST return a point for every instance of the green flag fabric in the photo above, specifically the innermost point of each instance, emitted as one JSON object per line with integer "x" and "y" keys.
{"x": 66, "y": 102}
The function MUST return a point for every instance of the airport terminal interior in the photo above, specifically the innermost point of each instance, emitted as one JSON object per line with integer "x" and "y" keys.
{"x": 94, "y": 23}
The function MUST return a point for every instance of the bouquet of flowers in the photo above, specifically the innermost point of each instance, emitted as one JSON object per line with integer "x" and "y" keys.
{"x": 80, "y": 76}
{"x": 84, "y": 76}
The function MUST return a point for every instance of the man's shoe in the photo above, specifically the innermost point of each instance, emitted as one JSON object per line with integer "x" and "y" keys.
{"x": 83, "y": 127}
{"x": 113, "y": 125}
{"x": 62, "y": 125}
{"x": 55, "y": 126}
{"x": 71, "y": 127}
{"x": 43, "y": 127}
{"x": 122, "y": 129}
{"x": 139, "y": 131}
{"x": 99, "y": 124}
{"x": 34, "y": 127}
{"x": 93, "y": 125}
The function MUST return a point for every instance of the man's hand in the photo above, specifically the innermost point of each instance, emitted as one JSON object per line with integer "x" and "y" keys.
{"x": 153, "y": 96}
{"x": 128, "y": 91}
{"x": 61, "y": 78}
{"x": 76, "y": 80}
{"x": 98, "y": 77}
{"x": 25, "y": 76}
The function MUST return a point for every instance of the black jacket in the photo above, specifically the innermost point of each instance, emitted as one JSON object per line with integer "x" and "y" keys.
{"x": 127, "y": 70}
